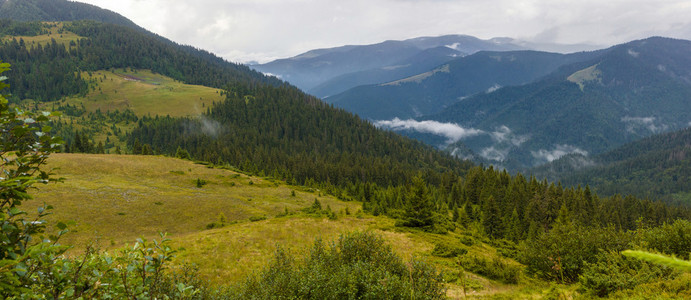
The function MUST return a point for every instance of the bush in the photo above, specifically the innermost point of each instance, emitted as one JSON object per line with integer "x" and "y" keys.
{"x": 495, "y": 269}
{"x": 357, "y": 266}
{"x": 446, "y": 250}
{"x": 613, "y": 271}
{"x": 561, "y": 253}
{"x": 671, "y": 239}
{"x": 257, "y": 218}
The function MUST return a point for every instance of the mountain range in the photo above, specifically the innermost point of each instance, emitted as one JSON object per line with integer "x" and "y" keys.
{"x": 325, "y": 72}
{"x": 620, "y": 95}
{"x": 432, "y": 91}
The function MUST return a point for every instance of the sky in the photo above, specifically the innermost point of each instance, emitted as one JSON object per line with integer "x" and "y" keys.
{"x": 262, "y": 30}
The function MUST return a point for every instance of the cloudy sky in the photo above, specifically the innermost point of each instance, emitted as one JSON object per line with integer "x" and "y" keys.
{"x": 261, "y": 30}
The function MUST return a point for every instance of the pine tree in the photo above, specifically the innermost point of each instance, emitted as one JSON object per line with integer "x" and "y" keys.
{"x": 420, "y": 208}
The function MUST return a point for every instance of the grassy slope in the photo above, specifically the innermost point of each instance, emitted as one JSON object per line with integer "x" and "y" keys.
{"x": 145, "y": 93}
{"x": 54, "y": 33}
{"x": 118, "y": 198}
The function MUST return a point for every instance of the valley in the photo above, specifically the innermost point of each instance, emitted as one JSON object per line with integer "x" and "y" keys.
{"x": 446, "y": 167}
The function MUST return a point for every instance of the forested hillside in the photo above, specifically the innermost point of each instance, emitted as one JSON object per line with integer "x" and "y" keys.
{"x": 283, "y": 132}
{"x": 654, "y": 167}
{"x": 58, "y": 11}
{"x": 432, "y": 91}
{"x": 50, "y": 71}
{"x": 628, "y": 92}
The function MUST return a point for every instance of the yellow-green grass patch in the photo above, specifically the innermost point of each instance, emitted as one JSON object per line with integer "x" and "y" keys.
{"x": 118, "y": 198}
{"x": 145, "y": 93}
{"x": 54, "y": 28}
{"x": 121, "y": 197}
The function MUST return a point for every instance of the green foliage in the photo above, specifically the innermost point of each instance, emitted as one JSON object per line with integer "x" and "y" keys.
{"x": 182, "y": 154}
{"x": 200, "y": 182}
{"x": 613, "y": 272}
{"x": 357, "y": 266}
{"x": 447, "y": 250}
{"x": 494, "y": 268}
{"x": 25, "y": 147}
{"x": 257, "y": 218}
{"x": 136, "y": 272}
{"x": 419, "y": 210}
{"x": 562, "y": 253}
{"x": 672, "y": 239}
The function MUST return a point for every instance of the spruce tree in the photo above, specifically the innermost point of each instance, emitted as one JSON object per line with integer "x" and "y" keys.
{"x": 420, "y": 208}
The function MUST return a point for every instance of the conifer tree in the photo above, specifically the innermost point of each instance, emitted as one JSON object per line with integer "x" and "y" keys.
{"x": 420, "y": 208}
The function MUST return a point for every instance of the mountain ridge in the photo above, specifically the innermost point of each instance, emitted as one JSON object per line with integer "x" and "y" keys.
{"x": 641, "y": 88}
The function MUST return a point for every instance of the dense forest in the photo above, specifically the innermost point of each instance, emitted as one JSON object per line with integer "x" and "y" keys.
{"x": 52, "y": 71}
{"x": 58, "y": 11}
{"x": 657, "y": 166}
{"x": 282, "y": 132}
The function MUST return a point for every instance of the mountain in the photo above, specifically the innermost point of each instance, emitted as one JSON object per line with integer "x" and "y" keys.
{"x": 264, "y": 125}
{"x": 658, "y": 166}
{"x": 59, "y": 10}
{"x": 419, "y": 63}
{"x": 44, "y": 69}
{"x": 314, "y": 71}
{"x": 430, "y": 92}
{"x": 627, "y": 92}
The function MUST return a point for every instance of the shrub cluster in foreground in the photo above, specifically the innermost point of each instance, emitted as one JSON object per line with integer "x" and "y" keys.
{"x": 358, "y": 265}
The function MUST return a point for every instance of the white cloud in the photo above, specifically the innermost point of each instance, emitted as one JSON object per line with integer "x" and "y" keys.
{"x": 557, "y": 152}
{"x": 633, "y": 123}
{"x": 493, "y": 88}
{"x": 453, "y": 132}
{"x": 264, "y": 29}
{"x": 495, "y": 154}
{"x": 504, "y": 134}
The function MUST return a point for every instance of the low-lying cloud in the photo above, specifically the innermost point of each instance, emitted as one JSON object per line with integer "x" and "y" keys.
{"x": 504, "y": 134}
{"x": 451, "y": 131}
{"x": 633, "y": 123}
{"x": 557, "y": 152}
{"x": 495, "y": 154}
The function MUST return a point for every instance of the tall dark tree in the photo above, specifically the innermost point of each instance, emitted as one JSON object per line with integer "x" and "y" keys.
{"x": 420, "y": 208}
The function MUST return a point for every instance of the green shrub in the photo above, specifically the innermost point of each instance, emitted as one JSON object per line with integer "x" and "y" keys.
{"x": 495, "y": 269}
{"x": 446, "y": 250}
{"x": 672, "y": 239}
{"x": 357, "y": 266}
{"x": 613, "y": 272}
{"x": 257, "y": 218}
{"x": 561, "y": 253}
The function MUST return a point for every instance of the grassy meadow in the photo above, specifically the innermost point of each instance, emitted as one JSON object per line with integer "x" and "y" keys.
{"x": 111, "y": 200}
{"x": 55, "y": 32}
{"x": 144, "y": 93}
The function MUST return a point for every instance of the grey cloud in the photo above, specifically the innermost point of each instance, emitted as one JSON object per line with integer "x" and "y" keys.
{"x": 265, "y": 29}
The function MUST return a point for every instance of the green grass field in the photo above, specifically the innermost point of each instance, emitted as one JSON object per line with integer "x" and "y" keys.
{"x": 145, "y": 93}
{"x": 54, "y": 34}
{"x": 114, "y": 199}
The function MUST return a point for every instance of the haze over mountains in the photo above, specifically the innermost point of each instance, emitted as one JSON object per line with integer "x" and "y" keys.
{"x": 516, "y": 108}
{"x": 326, "y": 72}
